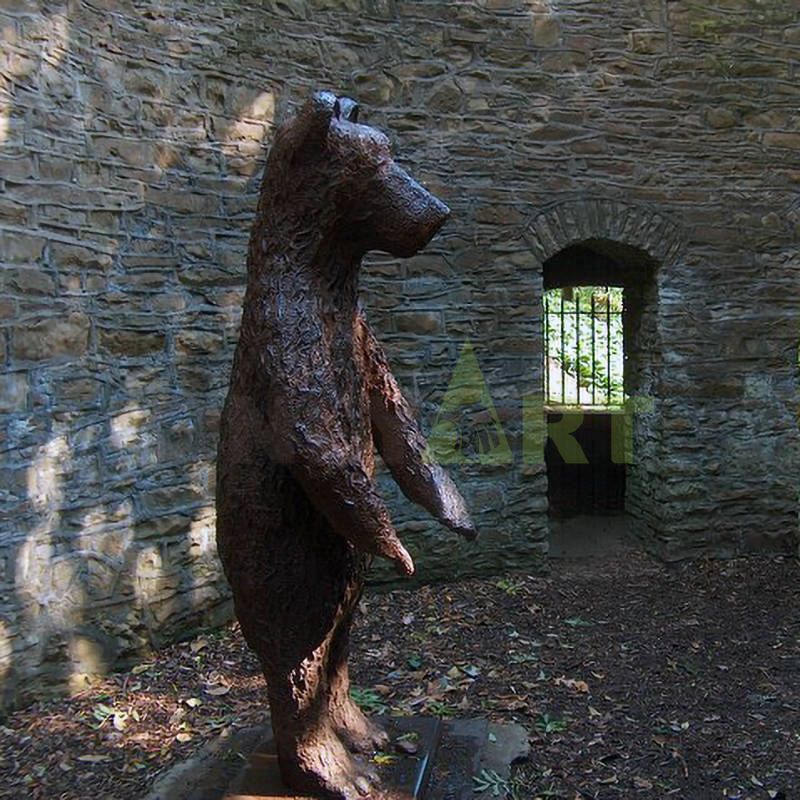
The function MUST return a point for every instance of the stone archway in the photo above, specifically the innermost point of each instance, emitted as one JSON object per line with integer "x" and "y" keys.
{"x": 638, "y": 245}
{"x": 559, "y": 225}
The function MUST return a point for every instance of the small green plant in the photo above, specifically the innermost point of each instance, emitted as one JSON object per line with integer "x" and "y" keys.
{"x": 119, "y": 719}
{"x": 440, "y": 709}
{"x": 414, "y": 661}
{"x": 492, "y": 784}
{"x": 548, "y": 724}
{"x": 368, "y": 700}
{"x": 509, "y": 586}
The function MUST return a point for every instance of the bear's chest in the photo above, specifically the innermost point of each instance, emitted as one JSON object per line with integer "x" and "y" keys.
{"x": 348, "y": 365}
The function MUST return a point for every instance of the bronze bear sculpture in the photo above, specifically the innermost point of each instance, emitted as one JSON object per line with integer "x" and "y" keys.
{"x": 311, "y": 395}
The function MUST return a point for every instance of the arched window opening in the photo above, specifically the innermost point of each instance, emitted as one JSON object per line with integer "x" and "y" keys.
{"x": 597, "y": 333}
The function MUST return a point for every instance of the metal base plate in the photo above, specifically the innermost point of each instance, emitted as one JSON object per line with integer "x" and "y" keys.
{"x": 426, "y": 759}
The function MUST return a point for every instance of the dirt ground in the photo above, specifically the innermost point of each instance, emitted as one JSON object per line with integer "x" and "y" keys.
{"x": 635, "y": 680}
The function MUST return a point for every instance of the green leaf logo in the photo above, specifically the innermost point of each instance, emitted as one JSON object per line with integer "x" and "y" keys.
{"x": 467, "y": 428}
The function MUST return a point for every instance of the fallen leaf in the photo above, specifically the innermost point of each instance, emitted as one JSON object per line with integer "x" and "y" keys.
{"x": 577, "y": 622}
{"x": 407, "y": 746}
{"x": 578, "y": 686}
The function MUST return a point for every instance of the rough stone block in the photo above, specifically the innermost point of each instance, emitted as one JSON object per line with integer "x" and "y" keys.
{"x": 647, "y": 42}
{"x": 546, "y": 31}
{"x": 74, "y": 256}
{"x": 54, "y": 337}
{"x": 418, "y": 321}
{"x": 131, "y": 343}
{"x": 199, "y": 342}
{"x": 8, "y": 308}
{"x": 183, "y": 202}
{"x": 163, "y": 527}
{"x": 720, "y": 117}
{"x": 782, "y": 139}
{"x": 21, "y": 248}
{"x": 28, "y": 281}
{"x": 446, "y": 96}
{"x": 13, "y": 392}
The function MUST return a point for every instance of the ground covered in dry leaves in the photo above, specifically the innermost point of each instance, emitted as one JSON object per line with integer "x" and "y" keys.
{"x": 635, "y": 680}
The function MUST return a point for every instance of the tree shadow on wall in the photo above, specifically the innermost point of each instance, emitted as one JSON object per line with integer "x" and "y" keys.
{"x": 137, "y": 142}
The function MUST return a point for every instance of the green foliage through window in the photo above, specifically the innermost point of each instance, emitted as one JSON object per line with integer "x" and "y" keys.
{"x": 584, "y": 346}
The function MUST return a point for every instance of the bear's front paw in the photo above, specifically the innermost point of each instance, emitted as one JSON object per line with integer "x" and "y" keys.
{"x": 387, "y": 545}
{"x": 463, "y": 526}
{"x": 403, "y": 562}
{"x": 453, "y": 511}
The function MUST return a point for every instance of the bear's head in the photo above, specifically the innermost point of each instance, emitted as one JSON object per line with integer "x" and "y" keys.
{"x": 341, "y": 174}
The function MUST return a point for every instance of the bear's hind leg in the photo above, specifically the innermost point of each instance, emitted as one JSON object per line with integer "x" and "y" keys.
{"x": 313, "y": 759}
{"x": 355, "y": 729}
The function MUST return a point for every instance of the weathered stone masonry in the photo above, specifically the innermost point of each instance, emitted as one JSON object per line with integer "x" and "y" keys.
{"x": 131, "y": 142}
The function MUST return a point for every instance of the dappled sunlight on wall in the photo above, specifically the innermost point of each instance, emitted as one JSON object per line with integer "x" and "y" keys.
{"x": 50, "y": 595}
{"x": 45, "y": 581}
{"x": 150, "y": 584}
{"x": 131, "y": 147}
{"x": 130, "y": 177}
{"x": 6, "y": 650}
{"x": 51, "y": 36}
{"x": 243, "y": 139}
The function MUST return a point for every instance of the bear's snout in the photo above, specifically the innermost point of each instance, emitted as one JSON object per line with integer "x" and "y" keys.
{"x": 435, "y": 215}
{"x": 439, "y": 214}
{"x": 409, "y": 215}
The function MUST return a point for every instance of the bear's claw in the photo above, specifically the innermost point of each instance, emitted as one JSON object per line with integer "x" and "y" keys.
{"x": 323, "y": 768}
{"x": 403, "y": 562}
{"x": 358, "y": 733}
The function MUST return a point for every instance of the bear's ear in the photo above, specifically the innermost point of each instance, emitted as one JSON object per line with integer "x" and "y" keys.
{"x": 347, "y": 109}
{"x": 316, "y": 117}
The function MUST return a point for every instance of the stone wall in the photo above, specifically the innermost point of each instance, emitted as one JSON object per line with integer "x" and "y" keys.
{"x": 132, "y": 136}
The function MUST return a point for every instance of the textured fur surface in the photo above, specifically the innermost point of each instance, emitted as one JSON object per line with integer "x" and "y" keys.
{"x": 311, "y": 395}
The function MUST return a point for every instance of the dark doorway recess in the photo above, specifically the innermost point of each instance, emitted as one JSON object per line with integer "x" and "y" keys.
{"x": 590, "y": 479}
{"x": 594, "y": 487}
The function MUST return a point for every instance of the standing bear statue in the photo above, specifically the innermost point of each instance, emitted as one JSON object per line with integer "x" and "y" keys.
{"x": 311, "y": 397}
